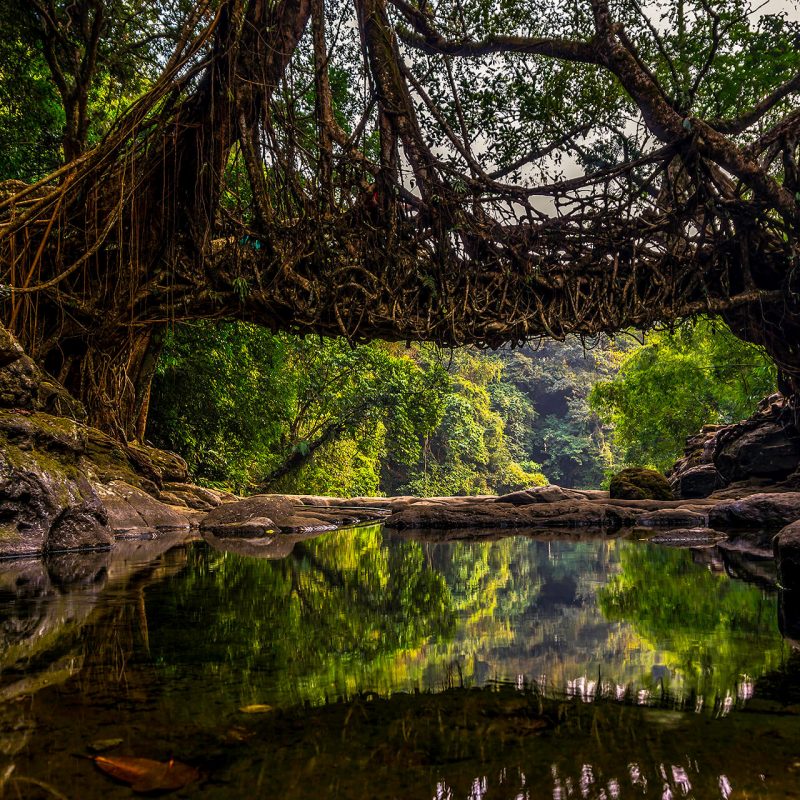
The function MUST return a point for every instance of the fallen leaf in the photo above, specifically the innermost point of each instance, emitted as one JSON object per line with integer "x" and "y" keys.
{"x": 256, "y": 708}
{"x": 147, "y": 775}
{"x": 101, "y": 745}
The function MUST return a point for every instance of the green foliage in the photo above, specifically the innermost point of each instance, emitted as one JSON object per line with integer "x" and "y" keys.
{"x": 315, "y": 415}
{"x": 473, "y": 449}
{"x": 40, "y": 89}
{"x": 677, "y": 382}
{"x": 31, "y": 116}
{"x": 241, "y": 403}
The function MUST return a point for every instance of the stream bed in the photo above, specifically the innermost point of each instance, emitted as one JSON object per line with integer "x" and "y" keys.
{"x": 364, "y": 664}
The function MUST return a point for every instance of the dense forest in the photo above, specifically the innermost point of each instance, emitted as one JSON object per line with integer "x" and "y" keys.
{"x": 250, "y": 408}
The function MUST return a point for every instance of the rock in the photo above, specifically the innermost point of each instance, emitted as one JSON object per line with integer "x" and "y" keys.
{"x": 698, "y": 459}
{"x": 699, "y": 481}
{"x": 740, "y": 489}
{"x": 787, "y": 554}
{"x": 159, "y": 466}
{"x": 536, "y": 494}
{"x": 762, "y": 510}
{"x": 637, "y": 483}
{"x": 760, "y": 451}
{"x": 493, "y": 515}
{"x": 46, "y": 504}
{"x": 80, "y": 527}
{"x": 673, "y": 518}
{"x": 132, "y": 509}
{"x": 10, "y": 349}
{"x": 247, "y": 517}
{"x": 196, "y": 497}
{"x": 23, "y": 385}
{"x": 546, "y": 494}
{"x": 765, "y": 446}
{"x": 687, "y": 537}
{"x": 261, "y": 514}
{"x": 65, "y": 486}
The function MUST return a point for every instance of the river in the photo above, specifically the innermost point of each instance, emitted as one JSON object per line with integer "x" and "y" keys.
{"x": 368, "y": 665}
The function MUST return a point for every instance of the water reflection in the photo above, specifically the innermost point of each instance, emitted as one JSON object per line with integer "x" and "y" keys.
{"x": 162, "y": 648}
{"x": 356, "y": 611}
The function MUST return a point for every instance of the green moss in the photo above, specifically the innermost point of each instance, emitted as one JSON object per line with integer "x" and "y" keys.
{"x": 637, "y": 483}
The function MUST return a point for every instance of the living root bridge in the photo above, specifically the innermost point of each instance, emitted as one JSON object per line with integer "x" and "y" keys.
{"x": 402, "y": 293}
{"x": 238, "y": 186}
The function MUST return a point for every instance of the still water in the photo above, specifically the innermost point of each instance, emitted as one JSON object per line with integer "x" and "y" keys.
{"x": 365, "y": 665}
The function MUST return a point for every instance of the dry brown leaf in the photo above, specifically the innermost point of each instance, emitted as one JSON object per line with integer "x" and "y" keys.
{"x": 147, "y": 775}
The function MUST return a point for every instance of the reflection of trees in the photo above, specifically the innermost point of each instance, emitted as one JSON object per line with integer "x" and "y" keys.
{"x": 712, "y": 630}
{"x": 315, "y": 622}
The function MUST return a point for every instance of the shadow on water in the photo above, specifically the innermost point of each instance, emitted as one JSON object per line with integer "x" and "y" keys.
{"x": 385, "y": 666}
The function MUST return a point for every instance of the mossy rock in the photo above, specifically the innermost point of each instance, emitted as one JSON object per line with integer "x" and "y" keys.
{"x": 640, "y": 484}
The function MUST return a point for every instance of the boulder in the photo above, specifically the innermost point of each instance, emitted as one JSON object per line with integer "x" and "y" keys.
{"x": 765, "y": 446}
{"x": 23, "y": 385}
{"x": 46, "y": 504}
{"x": 132, "y": 510}
{"x": 65, "y": 486}
{"x": 199, "y": 498}
{"x": 762, "y": 510}
{"x": 548, "y": 494}
{"x": 247, "y": 517}
{"x": 763, "y": 450}
{"x": 787, "y": 554}
{"x": 493, "y": 515}
{"x": 699, "y": 481}
{"x": 162, "y": 465}
{"x": 637, "y": 483}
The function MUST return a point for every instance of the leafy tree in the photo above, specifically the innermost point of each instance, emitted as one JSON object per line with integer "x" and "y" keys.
{"x": 31, "y": 116}
{"x": 70, "y": 68}
{"x": 470, "y": 452}
{"x": 674, "y": 384}
{"x": 248, "y": 408}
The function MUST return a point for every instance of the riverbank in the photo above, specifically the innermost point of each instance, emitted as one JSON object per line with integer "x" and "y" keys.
{"x": 66, "y": 486}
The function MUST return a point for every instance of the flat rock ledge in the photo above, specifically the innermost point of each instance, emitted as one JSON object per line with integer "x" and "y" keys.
{"x": 65, "y": 486}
